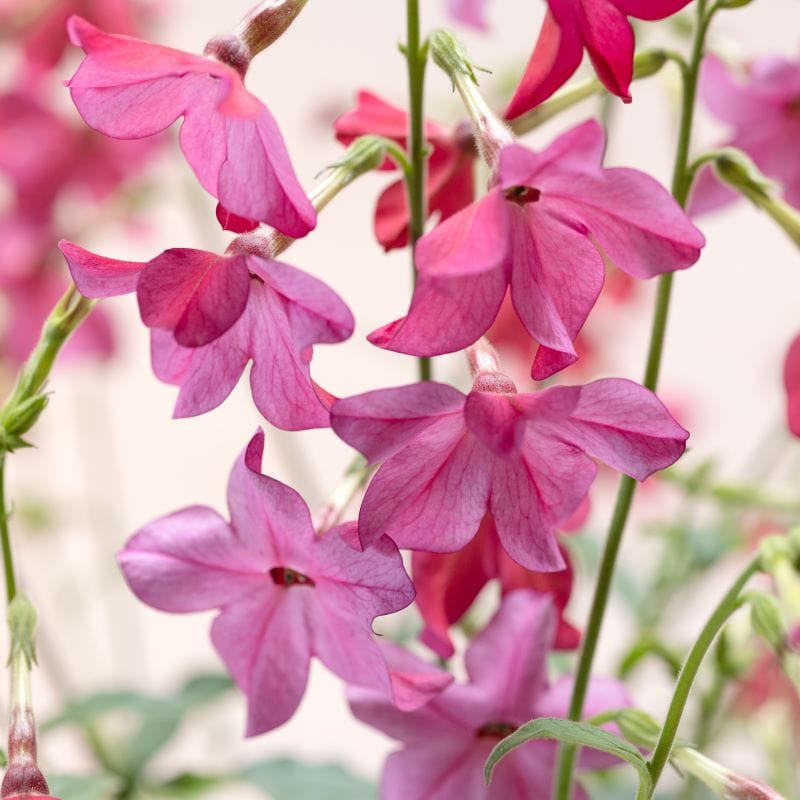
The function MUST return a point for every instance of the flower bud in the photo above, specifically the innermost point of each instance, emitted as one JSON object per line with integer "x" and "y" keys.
{"x": 778, "y": 557}
{"x": 23, "y": 777}
{"x": 21, "y": 417}
{"x": 638, "y": 727}
{"x": 767, "y": 621}
{"x": 738, "y": 171}
{"x": 267, "y": 22}
{"x": 491, "y": 133}
{"x": 734, "y": 3}
{"x": 648, "y": 62}
{"x": 722, "y": 781}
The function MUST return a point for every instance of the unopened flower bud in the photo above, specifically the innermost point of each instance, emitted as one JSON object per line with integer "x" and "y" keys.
{"x": 737, "y": 170}
{"x": 767, "y": 621}
{"x": 722, "y": 781}
{"x": 491, "y": 133}
{"x": 22, "y": 416}
{"x": 648, "y": 62}
{"x": 734, "y": 3}
{"x": 23, "y": 777}
{"x": 638, "y": 727}
{"x": 778, "y": 557}
{"x": 260, "y": 27}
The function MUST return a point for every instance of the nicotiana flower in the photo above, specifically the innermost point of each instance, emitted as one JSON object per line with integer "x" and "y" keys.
{"x": 450, "y": 182}
{"x": 524, "y": 458}
{"x": 127, "y": 88}
{"x": 763, "y": 109}
{"x": 545, "y": 227}
{"x": 284, "y": 593}
{"x": 600, "y": 26}
{"x": 446, "y": 742}
{"x": 211, "y": 314}
{"x": 791, "y": 379}
{"x": 448, "y": 583}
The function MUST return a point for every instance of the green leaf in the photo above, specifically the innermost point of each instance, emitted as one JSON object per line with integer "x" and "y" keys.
{"x": 83, "y": 787}
{"x": 286, "y": 779}
{"x": 580, "y": 734}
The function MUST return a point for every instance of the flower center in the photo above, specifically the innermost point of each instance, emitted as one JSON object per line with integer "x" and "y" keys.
{"x": 283, "y": 576}
{"x": 793, "y": 108}
{"x": 522, "y": 195}
{"x": 496, "y": 730}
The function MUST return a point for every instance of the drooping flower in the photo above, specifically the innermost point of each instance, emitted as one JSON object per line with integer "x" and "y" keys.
{"x": 791, "y": 379}
{"x": 211, "y": 314}
{"x": 544, "y": 229}
{"x": 127, "y": 88}
{"x": 284, "y": 593}
{"x": 524, "y": 458}
{"x": 448, "y": 583}
{"x": 450, "y": 182}
{"x": 763, "y": 109}
{"x": 446, "y": 742}
{"x": 599, "y": 26}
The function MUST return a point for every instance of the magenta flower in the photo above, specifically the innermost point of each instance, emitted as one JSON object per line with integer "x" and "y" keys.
{"x": 600, "y": 26}
{"x": 211, "y": 314}
{"x": 764, "y": 112}
{"x": 128, "y": 89}
{"x": 450, "y": 182}
{"x": 284, "y": 593}
{"x": 446, "y": 742}
{"x": 545, "y": 227}
{"x": 448, "y": 583}
{"x": 791, "y": 380}
{"x": 470, "y": 12}
{"x": 524, "y": 458}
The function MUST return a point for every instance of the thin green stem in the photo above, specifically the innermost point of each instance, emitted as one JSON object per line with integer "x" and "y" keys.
{"x": 680, "y": 189}
{"x": 417, "y": 58}
{"x": 720, "y": 615}
{"x": 20, "y": 412}
{"x": 5, "y": 539}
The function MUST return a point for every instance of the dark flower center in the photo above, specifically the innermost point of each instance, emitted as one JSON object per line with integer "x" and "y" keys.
{"x": 496, "y": 730}
{"x": 522, "y": 195}
{"x": 283, "y": 576}
{"x": 794, "y": 107}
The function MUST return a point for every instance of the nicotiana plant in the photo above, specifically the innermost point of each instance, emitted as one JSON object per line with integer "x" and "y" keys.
{"x": 514, "y": 250}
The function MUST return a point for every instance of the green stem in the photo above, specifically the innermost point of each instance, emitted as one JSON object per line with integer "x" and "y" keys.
{"x": 680, "y": 189}
{"x": 5, "y": 539}
{"x": 417, "y": 58}
{"x": 683, "y": 687}
{"x": 20, "y": 412}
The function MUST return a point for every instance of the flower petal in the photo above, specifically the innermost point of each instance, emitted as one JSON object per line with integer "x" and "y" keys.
{"x": 189, "y": 561}
{"x": 380, "y": 423}
{"x": 791, "y": 380}
{"x": 96, "y": 276}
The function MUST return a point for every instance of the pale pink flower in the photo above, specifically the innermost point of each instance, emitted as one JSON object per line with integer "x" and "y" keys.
{"x": 128, "y": 89}
{"x": 544, "y": 229}
{"x": 446, "y": 742}
{"x": 284, "y": 593}
{"x": 470, "y": 12}
{"x": 762, "y": 107}
{"x": 525, "y": 458}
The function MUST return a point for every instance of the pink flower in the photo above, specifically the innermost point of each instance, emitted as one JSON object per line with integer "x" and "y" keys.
{"x": 450, "y": 184}
{"x": 524, "y": 458}
{"x": 764, "y": 111}
{"x": 447, "y": 585}
{"x": 600, "y": 26}
{"x": 128, "y": 89}
{"x": 470, "y": 12}
{"x": 791, "y": 380}
{"x": 545, "y": 227}
{"x": 211, "y": 314}
{"x": 284, "y": 593}
{"x": 446, "y": 742}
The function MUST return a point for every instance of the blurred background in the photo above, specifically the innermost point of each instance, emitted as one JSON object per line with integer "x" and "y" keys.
{"x": 108, "y": 456}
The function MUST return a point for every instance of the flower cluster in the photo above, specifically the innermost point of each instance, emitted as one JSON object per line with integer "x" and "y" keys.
{"x": 482, "y": 485}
